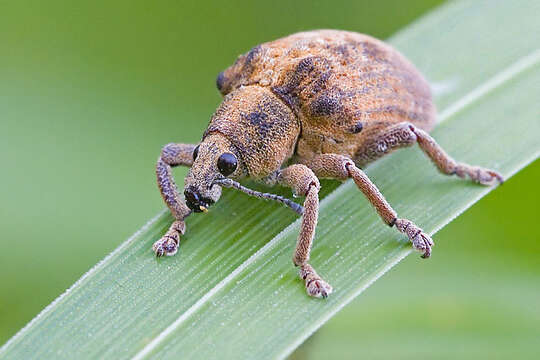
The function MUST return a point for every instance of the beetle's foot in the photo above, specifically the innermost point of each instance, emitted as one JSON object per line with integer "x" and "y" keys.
{"x": 168, "y": 244}
{"x": 318, "y": 288}
{"x": 479, "y": 175}
{"x": 315, "y": 286}
{"x": 420, "y": 240}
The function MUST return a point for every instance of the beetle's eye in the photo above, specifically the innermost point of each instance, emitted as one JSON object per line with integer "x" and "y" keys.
{"x": 227, "y": 163}
{"x": 195, "y": 152}
{"x": 357, "y": 128}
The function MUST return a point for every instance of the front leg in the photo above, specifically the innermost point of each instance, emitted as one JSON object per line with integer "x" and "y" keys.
{"x": 304, "y": 183}
{"x": 340, "y": 167}
{"x": 172, "y": 155}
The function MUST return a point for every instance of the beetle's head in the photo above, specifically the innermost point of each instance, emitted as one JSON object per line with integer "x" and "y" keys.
{"x": 215, "y": 158}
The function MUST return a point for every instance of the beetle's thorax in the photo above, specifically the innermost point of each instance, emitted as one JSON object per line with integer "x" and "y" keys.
{"x": 261, "y": 128}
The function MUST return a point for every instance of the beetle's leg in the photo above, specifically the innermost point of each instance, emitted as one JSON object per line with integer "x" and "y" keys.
{"x": 406, "y": 134}
{"x": 304, "y": 183}
{"x": 172, "y": 155}
{"x": 449, "y": 166}
{"x": 341, "y": 167}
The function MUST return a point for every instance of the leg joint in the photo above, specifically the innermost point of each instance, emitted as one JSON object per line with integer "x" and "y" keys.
{"x": 348, "y": 165}
{"x": 177, "y": 154}
{"x": 300, "y": 178}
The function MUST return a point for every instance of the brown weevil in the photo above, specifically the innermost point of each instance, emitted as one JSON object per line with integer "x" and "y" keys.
{"x": 318, "y": 104}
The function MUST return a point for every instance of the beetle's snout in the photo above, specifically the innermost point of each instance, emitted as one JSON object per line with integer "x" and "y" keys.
{"x": 195, "y": 201}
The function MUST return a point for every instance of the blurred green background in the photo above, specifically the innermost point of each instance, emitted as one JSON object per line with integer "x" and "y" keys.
{"x": 90, "y": 91}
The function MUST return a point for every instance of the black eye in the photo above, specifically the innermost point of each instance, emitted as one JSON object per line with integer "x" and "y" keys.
{"x": 227, "y": 163}
{"x": 195, "y": 152}
{"x": 357, "y": 128}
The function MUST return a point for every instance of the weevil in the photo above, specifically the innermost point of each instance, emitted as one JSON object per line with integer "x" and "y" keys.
{"x": 317, "y": 104}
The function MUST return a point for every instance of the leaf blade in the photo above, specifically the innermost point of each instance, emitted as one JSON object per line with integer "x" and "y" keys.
{"x": 384, "y": 250}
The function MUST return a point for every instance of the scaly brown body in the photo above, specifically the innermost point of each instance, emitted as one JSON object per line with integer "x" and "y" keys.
{"x": 311, "y": 105}
{"x": 342, "y": 87}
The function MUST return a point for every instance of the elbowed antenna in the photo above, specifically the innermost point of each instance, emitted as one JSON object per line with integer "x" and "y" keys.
{"x": 229, "y": 183}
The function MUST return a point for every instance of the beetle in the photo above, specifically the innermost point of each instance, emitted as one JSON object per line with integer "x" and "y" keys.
{"x": 317, "y": 104}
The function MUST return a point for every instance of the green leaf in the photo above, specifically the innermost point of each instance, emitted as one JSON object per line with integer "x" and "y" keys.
{"x": 232, "y": 291}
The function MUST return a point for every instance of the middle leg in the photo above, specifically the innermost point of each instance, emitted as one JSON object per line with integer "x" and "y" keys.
{"x": 340, "y": 167}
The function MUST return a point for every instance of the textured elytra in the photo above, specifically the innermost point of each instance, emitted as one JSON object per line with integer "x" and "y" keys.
{"x": 343, "y": 88}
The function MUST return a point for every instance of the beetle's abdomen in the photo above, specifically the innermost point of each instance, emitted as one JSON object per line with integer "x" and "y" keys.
{"x": 343, "y": 86}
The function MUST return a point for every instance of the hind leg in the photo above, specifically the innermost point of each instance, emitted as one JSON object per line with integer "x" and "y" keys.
{"x": 406, "y": 134}
{"x": 449, "y": 166}
{"x": 172, "y": 155}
